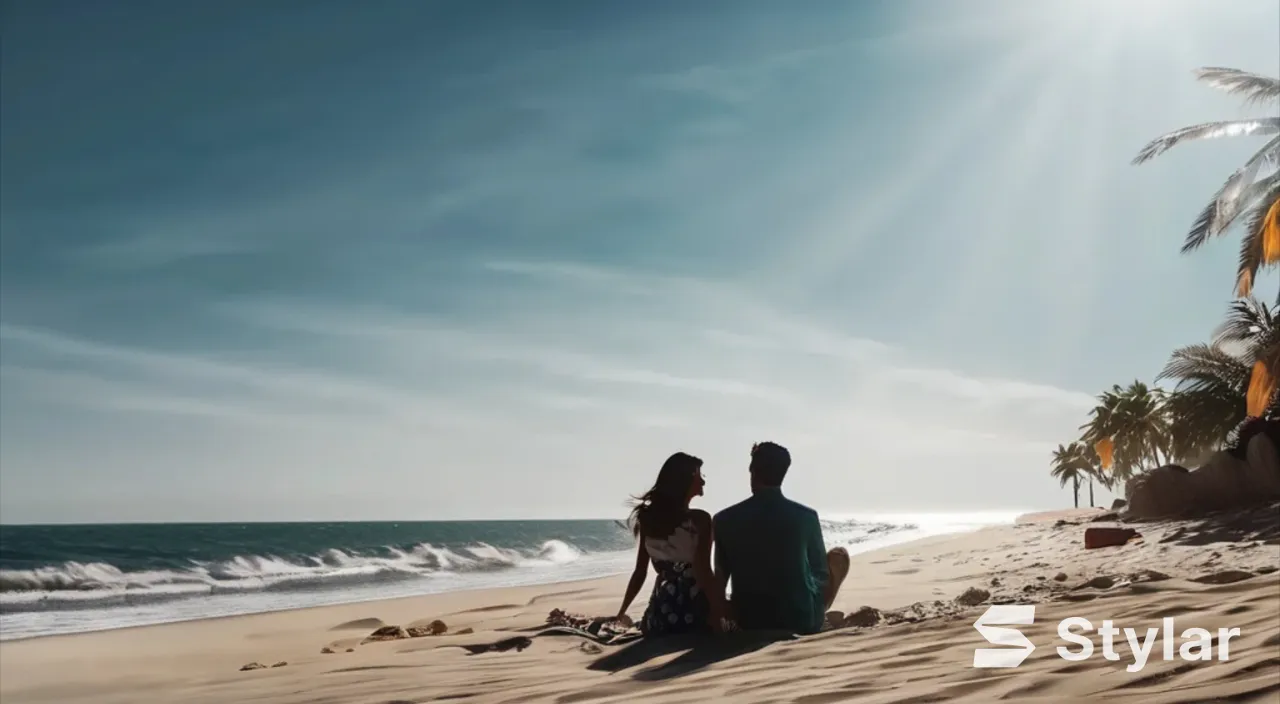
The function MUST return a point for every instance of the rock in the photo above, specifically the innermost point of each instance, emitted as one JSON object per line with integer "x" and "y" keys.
{"x": 1041, "y": 578}
{"x": 1224, "y": 577}
{"x": 1267, "y": 569}
{"x": 282, "y": 663}
{"x": 253, "y": 666}
{"x": 1098, "y": 537}
{"x": 326, "y": 650}
{"x": 351, "y": 650}
{"x": 386, "y": 633}
{"x": 995, "y": 581}
{"x": 864, "y": 617}
{"x": 1060, "y": 577}
{"x": 465, "y": 631}
{"x": 590, "y": 648}
{"x": 973, "y": 596}
{"x": 1105, "y": 517}
{"x": 1222, "y": 482}
{"x": 835, "y": 618}
{"x": 434, "y": 628}
{"x": 1099, "y": 582}
{"x": 1159, "y": 493}
{"x": 1118, "y": 504}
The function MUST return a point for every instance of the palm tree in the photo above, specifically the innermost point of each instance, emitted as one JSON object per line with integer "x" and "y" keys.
{"x": 1133, "y": 421}
{"x": 1244, "y": 192}
{"x": 1208, "y": 400}
{"x": 1074, "y": 463}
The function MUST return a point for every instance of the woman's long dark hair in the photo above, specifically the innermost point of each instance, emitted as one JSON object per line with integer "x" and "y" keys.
{"x": 657, "y": 512}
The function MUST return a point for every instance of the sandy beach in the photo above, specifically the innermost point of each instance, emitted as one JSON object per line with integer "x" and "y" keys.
{"x": 1206, "y": 574}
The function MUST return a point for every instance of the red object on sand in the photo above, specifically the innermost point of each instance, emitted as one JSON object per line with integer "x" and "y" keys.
{"x": 1107, "y": 537}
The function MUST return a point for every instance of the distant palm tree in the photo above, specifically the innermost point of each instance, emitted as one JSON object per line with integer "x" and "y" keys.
{"x": 1074, "y": 463}
{"x": 1133, "y": 419}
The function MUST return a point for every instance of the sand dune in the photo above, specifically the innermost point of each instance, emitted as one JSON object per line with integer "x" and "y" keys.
{"x": 1208, "y": 574}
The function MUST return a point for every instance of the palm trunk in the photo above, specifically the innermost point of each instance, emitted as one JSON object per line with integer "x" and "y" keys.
{"x": 1091, "y": 492}
{"x": 1075, "y": 491}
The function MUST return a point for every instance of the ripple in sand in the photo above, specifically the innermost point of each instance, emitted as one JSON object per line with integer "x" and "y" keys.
{"x": 366, "y": 624}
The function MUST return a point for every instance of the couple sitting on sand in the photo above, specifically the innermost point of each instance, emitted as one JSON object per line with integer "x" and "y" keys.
{"x": 769, "y": 548}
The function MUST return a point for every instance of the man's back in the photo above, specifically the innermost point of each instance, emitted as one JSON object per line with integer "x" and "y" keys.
{"x": 771, "y": 549}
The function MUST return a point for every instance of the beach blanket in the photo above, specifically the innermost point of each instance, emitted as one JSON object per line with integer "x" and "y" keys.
{"x": 598, "y": 630}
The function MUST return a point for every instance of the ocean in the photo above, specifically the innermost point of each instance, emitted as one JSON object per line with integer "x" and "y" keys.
{"x": 60, "y": 579}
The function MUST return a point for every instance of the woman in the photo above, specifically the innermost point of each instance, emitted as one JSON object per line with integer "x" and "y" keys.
{"x": 677, "y": 539}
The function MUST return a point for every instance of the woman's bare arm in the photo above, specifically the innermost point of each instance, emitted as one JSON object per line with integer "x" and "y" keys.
{"x": 637, "y": 578}
{"x": 702, "y": 573}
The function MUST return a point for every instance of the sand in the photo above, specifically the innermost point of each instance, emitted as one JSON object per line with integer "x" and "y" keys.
{"x": 1040, "y": 560}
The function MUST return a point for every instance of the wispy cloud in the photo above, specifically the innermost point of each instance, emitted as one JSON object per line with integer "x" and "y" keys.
{"x": 125, "y": 378}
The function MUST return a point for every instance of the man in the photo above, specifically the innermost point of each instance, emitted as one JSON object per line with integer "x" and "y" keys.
{"x": 771, "y": 549}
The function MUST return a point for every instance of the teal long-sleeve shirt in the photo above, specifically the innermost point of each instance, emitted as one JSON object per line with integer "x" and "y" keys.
{"x": 771, "y": 552}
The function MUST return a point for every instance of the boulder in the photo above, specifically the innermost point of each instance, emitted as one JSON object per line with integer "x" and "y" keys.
{"x": 1159, "y": 493}
{"x": 1263, "y": 467}
{"x": 1118, "y": 504}
{"x": 282, "y": 663}
{"x": 1100, "y": 537}
{"x": 1222, "y": 482}
{"x": 1226, "y": 480}
{"x": 253, "y": 666}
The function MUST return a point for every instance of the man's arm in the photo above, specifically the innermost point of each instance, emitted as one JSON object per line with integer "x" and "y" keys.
{"x": 816, "y": 549}
{"x": 722, "y": 570}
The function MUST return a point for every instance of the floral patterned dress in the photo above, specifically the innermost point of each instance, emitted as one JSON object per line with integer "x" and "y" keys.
{"x": 676, "y": 605}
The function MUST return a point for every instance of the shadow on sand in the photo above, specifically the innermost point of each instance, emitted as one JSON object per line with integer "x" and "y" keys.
{"x": 699, "y": 651}
{"x": 1260, "y": 523}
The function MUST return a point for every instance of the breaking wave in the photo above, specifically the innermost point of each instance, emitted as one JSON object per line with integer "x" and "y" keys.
{"x": 97, "y": 584}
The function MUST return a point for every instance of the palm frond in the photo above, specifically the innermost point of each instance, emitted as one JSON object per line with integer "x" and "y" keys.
{"x": 1201, "y": 420}
{"x": 1231, "y": 200}
{"x": 1200, "y": 367}
{"x": 1248, "y": 321}
{"x": 1256, "y": 88}
{"x": 1208, "y": 130}
{"x": 1261, "y": 237}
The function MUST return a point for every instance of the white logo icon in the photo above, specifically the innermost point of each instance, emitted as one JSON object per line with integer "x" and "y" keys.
{"x": 1004, "y": 614}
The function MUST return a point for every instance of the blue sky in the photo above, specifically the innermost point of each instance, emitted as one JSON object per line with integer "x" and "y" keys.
{"x": 410, "y": 259}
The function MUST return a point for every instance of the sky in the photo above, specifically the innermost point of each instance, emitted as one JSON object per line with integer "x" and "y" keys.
{"x": 323, "y": 260}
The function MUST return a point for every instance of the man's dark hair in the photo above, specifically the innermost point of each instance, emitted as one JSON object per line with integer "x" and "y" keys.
{"x": 769, "y": 463}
